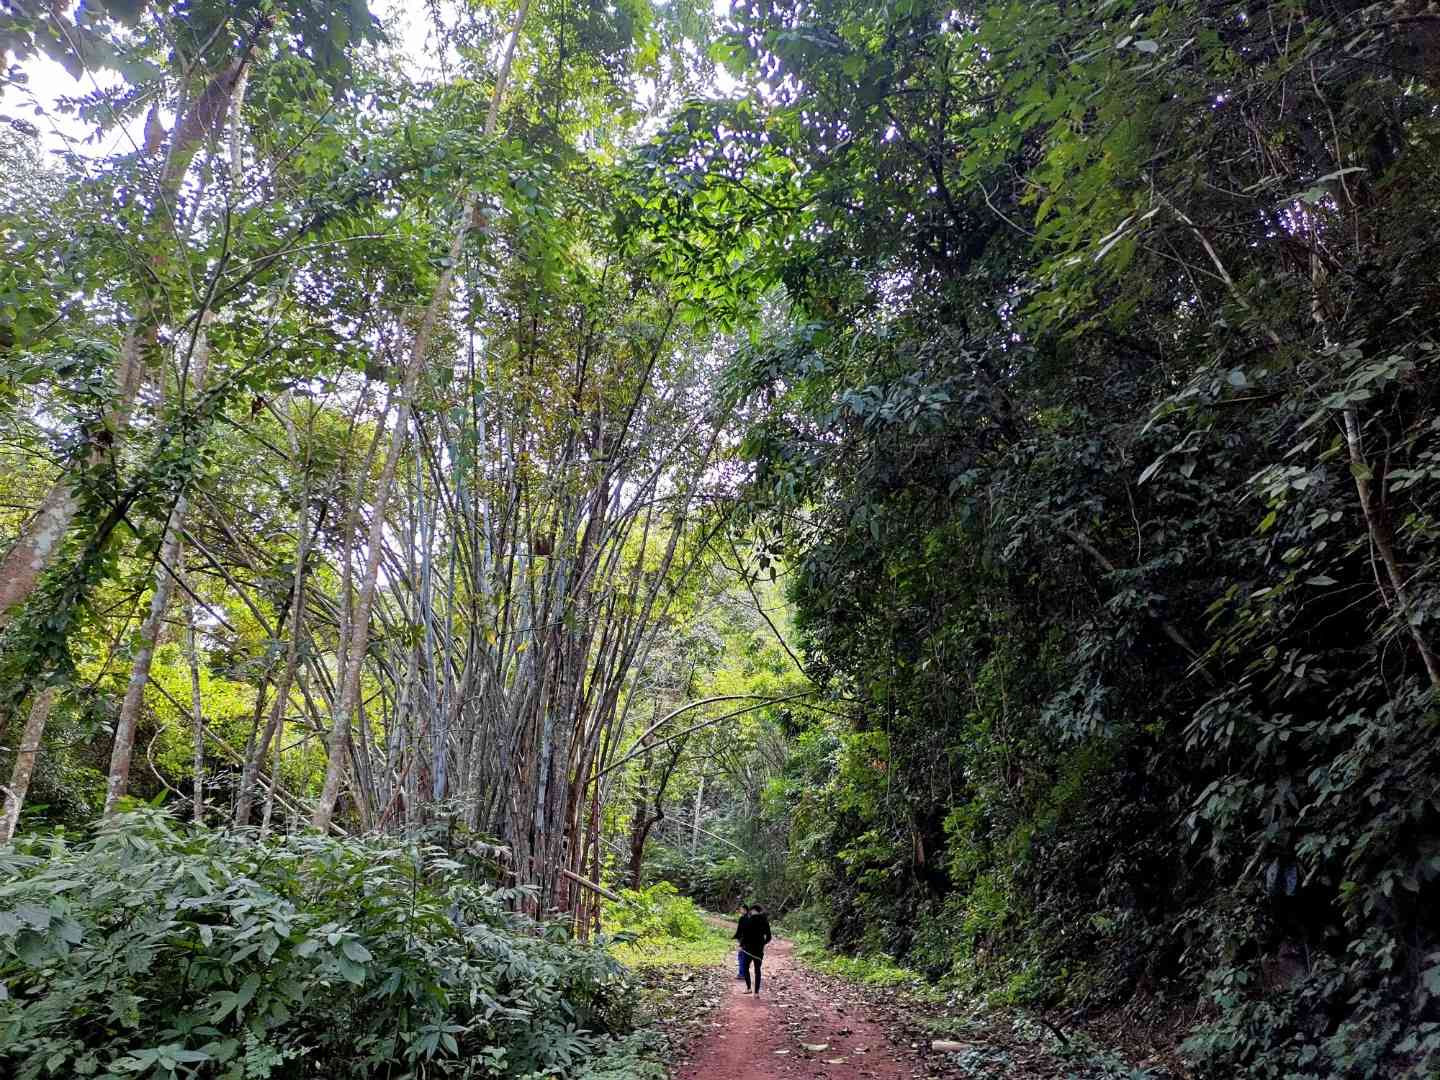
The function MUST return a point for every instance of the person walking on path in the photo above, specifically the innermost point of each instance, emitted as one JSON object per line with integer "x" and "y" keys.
{"x": 739, "y": 951}
{"x": 753, "y": 933}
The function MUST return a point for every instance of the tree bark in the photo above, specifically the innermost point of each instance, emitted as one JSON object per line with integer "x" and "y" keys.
{"x": 250, "y": 773}
{"x": 25, "y": 756}
{"x": 641, "y": 822}
{"x": 695, "y": 820}
{"x": 35, "y": 549}
{"x": 167, "y": 565}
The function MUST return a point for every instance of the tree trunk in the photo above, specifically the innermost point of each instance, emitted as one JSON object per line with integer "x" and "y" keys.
{"x": 167, "y": 565}
{"x": 250, "y": 762}
{"x": 25, "y": 757}
{"x": 197, "y": 718}
{"x": 640, "y": 824}
{"x": 1377, "y": 523}
{"x": 695, "y": 819}
{"x": 349, "y": 689}
{"x": 36, "y": 547}
{"x": 250, "y": 773}
{"x": 348, "y": 692}
{"x": 269, "y": 810}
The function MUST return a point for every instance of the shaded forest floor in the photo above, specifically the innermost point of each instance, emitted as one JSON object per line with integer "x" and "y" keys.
{"x": 809, "y": 1025}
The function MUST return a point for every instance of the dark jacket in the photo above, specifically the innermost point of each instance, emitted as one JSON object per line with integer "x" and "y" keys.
{"x": 753, "y": 933}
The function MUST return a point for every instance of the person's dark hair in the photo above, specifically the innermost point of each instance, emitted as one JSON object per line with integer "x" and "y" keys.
{"x": 758, "y": 908}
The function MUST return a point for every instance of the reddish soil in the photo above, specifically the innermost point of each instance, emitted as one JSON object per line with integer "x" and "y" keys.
{"x": 764, "y": 1038}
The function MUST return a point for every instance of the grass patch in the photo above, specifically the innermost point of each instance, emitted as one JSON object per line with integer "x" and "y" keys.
{"x": 659, "y": 927}
{"x": 866, "y": 970}
{"x": 711, "y": 948}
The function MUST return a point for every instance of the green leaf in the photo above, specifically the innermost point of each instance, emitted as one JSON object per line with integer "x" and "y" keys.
{"x": 222, "y": 1050}
{"x": 1430, "y": 979}
{"x": 351, "y": 971}
{"x": 247, "y": 990}
{"x": 33, "y": 915}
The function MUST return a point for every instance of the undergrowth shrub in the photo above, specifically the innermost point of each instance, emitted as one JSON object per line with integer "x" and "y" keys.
{"x": 716, "y": 877}
{"x": 653, "y": 913}
{"x": 809, "y": 921}
{"x": 158, "y": 951}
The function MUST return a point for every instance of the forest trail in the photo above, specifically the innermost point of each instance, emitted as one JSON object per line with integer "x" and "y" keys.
{"x": 772, "y": 1036}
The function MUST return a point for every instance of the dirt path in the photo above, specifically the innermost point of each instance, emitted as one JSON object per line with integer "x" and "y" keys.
{"x": 766, "y": 1038}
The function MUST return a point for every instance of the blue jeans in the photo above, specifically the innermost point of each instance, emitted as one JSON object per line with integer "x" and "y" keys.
{"x": 739, "y": 963}
{"x": 745, "y": 961}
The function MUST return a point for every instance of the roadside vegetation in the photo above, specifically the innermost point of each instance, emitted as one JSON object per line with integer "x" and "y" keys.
{"x": 657, "y": 927}
{"x": 157, "y": 951}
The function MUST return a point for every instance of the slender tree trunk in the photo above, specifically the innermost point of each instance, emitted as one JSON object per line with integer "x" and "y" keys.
{"x": 280, "y": 742}
{"x": 1377, "y": 523}
{"x": 1372, "y": 503}
{"x": 25, "y": 756}
{"x": 695, "y": 820}
{"x": 641, "y": 822}
{"x": 197, "y": 718}
{"x": 167, "y": 565}
{"x": 39, "y": 542}
{"x": 268, "y": 812}
{"x": 250, "y": 773}
{"x": 250, "y": 768}
{"x": 349, "y": 690}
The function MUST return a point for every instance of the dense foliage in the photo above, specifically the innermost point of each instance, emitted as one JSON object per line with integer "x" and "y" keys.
{"x": 156, "y": 951}
{"x": 655, "y": 913}
{"x": 355, "y": 452}
{"x": 1103, "y": 448}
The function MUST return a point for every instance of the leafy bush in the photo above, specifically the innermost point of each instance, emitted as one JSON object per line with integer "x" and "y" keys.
{"x": 654, "y": 913}
{"x": 870, "y": 969}
{"x": 715, "y": 876}
{"x": 811, "y": 921}
{"x": 160, "y": 952}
